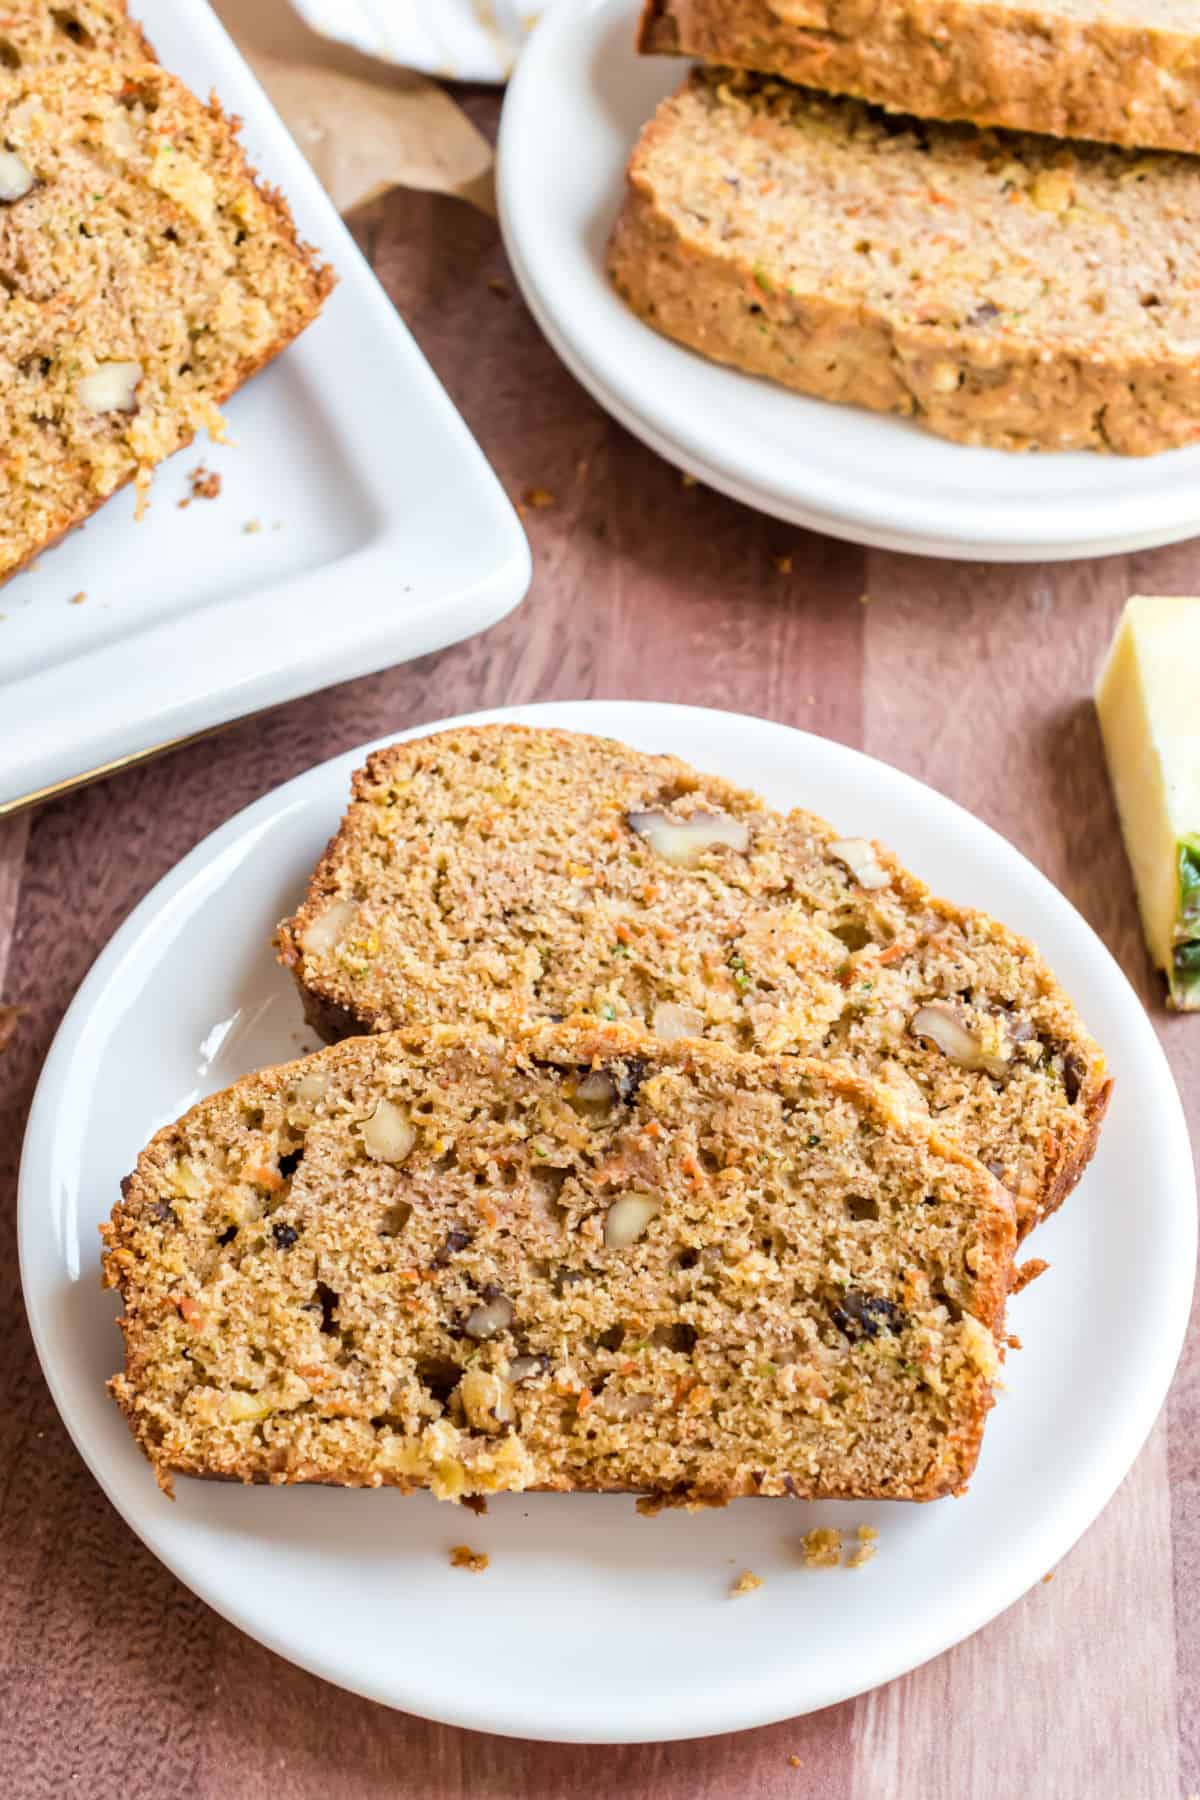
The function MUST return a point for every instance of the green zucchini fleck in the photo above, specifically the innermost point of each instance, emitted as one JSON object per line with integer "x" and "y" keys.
{"x": 1184, "y": 973}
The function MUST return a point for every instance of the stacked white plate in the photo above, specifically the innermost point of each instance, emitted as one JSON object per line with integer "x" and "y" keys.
{"x": 573, "y": 111}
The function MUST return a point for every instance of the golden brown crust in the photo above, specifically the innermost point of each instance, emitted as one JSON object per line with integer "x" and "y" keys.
{"x": 693, "y": 254}
{"x": 215, "y": 1256}
{"x": 1068, "y": 72}
{"x": 1077, "y": 1160}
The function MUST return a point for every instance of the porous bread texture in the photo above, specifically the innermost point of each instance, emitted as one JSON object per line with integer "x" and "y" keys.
{"x": 144, "y": 275}
{"x": 1125, "y": 73}
{"x": 33, "y": 33}
{"x": 495, "y": 875}
{"x": 587, "y": 1260}
{"x": 998, "y": 289}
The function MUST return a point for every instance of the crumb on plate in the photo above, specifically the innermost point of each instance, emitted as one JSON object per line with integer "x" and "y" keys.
{"x": 1026, "y": 1272}
{"x": 205, "y": 484}
{"x": 867, "y": 1536}
{"x": 822, "y": 1548}
{"x": 746, "y": 1583}
{"x": 463, "y": 1557}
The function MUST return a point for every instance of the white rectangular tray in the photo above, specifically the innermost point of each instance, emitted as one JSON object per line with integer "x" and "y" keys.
{"x": 378, "y": 531}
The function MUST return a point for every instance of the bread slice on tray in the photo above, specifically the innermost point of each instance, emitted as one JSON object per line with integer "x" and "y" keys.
{"x": 588, "y": 1260}
{"x": 506, "y": 874}
{"x": 999, "y": 289}
{"x": 1126, "y": 73}
{"x": 147, "y": 276}
{"x": 34, "y": 33}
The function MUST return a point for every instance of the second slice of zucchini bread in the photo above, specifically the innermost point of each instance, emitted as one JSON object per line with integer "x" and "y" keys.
{"x": 585, "y": 1261}
{"x": 999, "y": 289}
{"x": 504, "y": 874}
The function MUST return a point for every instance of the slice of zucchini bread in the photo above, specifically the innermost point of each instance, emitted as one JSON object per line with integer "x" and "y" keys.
{"x": 507, "y": 874}
{"x": 1123, "y": 71}
{"x": 34, "y": 33}
{"x": 588, "y": 1260}
{"x": 1000, "y": 290}
{"x": 144, "y": 275}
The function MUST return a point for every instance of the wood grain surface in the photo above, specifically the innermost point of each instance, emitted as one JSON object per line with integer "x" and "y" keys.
{"x": 114, "y": 1681}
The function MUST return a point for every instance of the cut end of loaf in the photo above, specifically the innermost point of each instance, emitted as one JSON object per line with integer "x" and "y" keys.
{"x": 585, "y": 1262}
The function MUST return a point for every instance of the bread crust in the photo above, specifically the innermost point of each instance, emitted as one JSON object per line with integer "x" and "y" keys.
{"x": 989, "y": 386}
{"x": 1015, "y": 66}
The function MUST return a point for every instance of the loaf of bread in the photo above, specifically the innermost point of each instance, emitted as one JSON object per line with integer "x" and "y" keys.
{"x": 147, "y": 277}
{"x": 1126, "y": 73}
{"x": 588, "y": 1260}
{"x": 33, "y": 34}
{"x": 998, "y": 289}
{"x": 503, "y": 875}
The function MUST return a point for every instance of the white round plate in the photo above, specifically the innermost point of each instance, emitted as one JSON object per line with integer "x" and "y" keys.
{"x": 572, "y": 114}
{"x": 594, "y": 1624}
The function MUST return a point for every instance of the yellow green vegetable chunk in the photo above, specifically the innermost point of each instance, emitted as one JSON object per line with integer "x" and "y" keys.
{"x": 1148, "y": 699}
